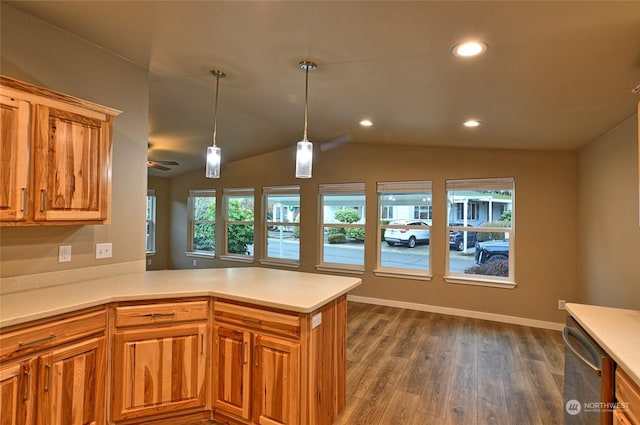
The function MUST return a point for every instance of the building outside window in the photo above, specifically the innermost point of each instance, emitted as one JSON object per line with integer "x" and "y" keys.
{"x": 282, "y": 224}
{"x": 239, "y": 223}
{"x": 343, "y": 226}
{"x": 481, "y": 230}
{"x": 151, "y": 221}
{"x": 404, "y": 243}
{"x": 202, "y": 222}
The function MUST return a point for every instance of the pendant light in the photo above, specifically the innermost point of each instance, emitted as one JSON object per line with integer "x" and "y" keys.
{"x": 304, "y": 152}
{"x": 213, "y": 152}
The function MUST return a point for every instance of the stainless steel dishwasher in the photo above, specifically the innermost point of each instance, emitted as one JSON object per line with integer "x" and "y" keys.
{"x": 588, "y": 379}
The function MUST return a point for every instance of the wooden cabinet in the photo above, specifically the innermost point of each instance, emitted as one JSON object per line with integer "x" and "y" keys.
{"x": 276, "y": 367}
{"x": 627, "y": 411}
{"x": 57, "y": 152}
{"x": 160, "y": 361}
{"x": 53, "y": 373}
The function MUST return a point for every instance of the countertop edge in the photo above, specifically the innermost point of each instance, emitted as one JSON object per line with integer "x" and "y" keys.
{"x": 173, "y": 294}
{"x": 574, "y": 309}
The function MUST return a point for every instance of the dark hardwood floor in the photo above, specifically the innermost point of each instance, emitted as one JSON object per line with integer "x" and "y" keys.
{"x": 419, "y": 368}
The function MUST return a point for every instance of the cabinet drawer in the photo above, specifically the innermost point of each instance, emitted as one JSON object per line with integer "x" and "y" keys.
{"x": 628, "y": 395}
{"x": 152, "y": 314}
{"x": 285, "y": 324}
{"x": 54, "y": 332}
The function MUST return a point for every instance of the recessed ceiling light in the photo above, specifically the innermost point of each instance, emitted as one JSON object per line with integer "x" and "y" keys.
{"x": 472, "y": 123}
{"x": 366, "y": 123}
{"x": 469, "y": 49}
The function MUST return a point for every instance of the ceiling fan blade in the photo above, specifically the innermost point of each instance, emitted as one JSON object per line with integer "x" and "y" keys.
{"x": 165, "y": 162}
{"x": 157, "y": 166}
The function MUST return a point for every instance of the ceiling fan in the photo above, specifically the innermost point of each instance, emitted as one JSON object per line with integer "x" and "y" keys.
{"x": 161, "y": 165}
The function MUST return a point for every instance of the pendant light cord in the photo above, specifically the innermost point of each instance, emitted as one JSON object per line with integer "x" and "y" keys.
{"x": 306, "y": 102}
{"x": 215, "y": 111}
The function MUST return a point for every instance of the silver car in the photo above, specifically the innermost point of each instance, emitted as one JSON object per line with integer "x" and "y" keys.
{"x": 414, "y": 232}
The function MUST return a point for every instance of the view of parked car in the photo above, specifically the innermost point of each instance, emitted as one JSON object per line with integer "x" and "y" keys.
{"x": 492, "y": 250}
{"x": 416, "y": 231}
{"x": 456, "y": 238}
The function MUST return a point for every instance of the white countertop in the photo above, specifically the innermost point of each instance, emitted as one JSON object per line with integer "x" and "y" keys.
{"x": 287, "y": 290}
{"x": 616, "y": 330}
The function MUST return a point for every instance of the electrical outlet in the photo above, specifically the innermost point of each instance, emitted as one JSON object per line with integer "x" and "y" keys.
{"x": 195, "y": 263}
{"x": 316, "y": 320}
{"x": 64, "y": 253}
{"x": 561, "y": 304}
{"x": 104, "y": 250}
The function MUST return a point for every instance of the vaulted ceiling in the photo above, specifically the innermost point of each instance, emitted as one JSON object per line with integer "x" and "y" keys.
{"x": 556, "y": 74}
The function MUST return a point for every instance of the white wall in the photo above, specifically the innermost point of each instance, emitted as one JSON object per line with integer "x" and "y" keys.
{"x": 608, "y": 227}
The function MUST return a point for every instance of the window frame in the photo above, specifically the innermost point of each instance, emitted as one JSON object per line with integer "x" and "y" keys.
{"x": 401, "y": 187}
{"x": 228, "y": 193}
{"x": 192, "y": 194}
{"x": 340, "y": 189}
{"x": 278, "y": 190}
{"x": 150, "y": 248}
{"x": 479, "y": 185}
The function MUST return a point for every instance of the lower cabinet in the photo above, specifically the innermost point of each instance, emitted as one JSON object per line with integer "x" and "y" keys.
{"x": 257, "y": 376}
{"x": 273, "y": 367}
{"x": 54, "y": 373}
{"x": 160, "y": 361}
{"x": 627, "y": 411}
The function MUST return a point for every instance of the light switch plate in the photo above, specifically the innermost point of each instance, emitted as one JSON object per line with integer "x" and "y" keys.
{"x": 316, "y": 320}
{"x": 104, "y": 250}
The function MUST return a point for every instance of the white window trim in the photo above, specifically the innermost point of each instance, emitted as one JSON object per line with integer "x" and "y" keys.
{"x": 277, "y": 190}
{"x": 226, "y": 193}
{"x": 503, "y": 183}
{"x": 400, "y": 187}
{"x": 211, "y": 193}
{"x": 338, "y": 189}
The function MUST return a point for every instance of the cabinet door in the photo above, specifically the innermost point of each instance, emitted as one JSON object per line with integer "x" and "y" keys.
{"x": 276, "y": 381}
{"x": 232, "y": 371}
{"x": 159, "y": 370}
{"x": 14, "y": 158}
{"x": 71, "y": 165}
{"x": 17, "y": 390}
{"x": 71, "y": 382}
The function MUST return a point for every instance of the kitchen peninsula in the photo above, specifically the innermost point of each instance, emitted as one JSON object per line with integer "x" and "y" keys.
{"x": 241, "y": 345}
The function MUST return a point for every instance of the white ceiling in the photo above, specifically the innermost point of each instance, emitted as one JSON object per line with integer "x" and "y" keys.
{"x": 556, "y": 74}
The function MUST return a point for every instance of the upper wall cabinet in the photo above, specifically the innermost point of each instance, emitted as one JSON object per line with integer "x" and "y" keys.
{"x": 55, "y": 157}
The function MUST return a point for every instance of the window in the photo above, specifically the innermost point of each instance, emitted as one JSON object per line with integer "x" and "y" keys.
{"x": 151, "y": 221}
{"x": 342, "y": 214}
{"x": 239, "y": 223}
{"x": 202, "y": 222}
{"x": 282, "y": 224}
{"x": 403, "y": 246}
{"x": 481, "y": 230}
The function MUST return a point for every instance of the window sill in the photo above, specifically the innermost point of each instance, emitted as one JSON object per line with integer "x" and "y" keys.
{"x": 237, "y": 258}
{"x": 281, "y": 263}
{"x": 492, "y": 283}
{"x": 197, "y": 254}
{"x": 150, "y": 253}
{"x": 401, "y": 274}
{"x": 337, "y": 268}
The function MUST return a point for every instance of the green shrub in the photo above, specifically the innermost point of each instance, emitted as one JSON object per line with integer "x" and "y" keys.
{"x": 337, "y": 238}
{"x": 336, "y": 231}
{"x": 357, "y": 234}
{"x": 347, "y": 215}
{"x": 499, "y": 236}
{"x": 492, "y": 268}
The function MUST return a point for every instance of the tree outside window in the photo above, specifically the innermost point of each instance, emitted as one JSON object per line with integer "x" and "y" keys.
{"x": 202, "y": 208}
{"x": 239, "y": 217}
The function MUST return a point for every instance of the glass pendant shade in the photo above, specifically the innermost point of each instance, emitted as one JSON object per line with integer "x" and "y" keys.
{"x": 304, "y": 159}
{"x": 213, "y": 162}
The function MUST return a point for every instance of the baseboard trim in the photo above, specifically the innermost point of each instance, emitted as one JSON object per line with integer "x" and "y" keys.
{"x": 460, "y": 312}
